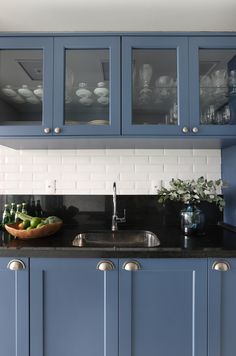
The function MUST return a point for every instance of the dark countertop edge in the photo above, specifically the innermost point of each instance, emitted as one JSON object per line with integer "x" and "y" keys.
{"x": 111, "y": 253}
{"x": 227, "y": 226}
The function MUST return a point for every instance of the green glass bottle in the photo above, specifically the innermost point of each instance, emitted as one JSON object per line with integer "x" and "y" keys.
{"x": 13, "y": 212}
{"x": 39, "y": 209}
{"x": 24, "y": 210}
{"x": 6, "y": 216}
{"x": 18, "y": 210}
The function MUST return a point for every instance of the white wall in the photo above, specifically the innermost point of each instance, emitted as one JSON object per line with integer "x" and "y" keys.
{"x": 118, "y": 15}
{"x": 94, "y": 171}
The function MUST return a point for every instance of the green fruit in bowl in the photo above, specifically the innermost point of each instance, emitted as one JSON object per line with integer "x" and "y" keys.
{"x": 29, "y": 228}
{"x": 26, "y": 224}
{"x": 40, "y": 225}
{"x": 34, "y": 222}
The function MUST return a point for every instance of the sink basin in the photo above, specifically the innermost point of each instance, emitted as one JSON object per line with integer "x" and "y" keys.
{"x": 121, "y": 238}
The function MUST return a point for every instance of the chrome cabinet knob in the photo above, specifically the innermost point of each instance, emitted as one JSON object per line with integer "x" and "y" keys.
{"x": 16, "y": 265}
{"x": 222, "y": 266}
{"x": 47, "y": 130}
{"x": 105, "y": 266}
{"x": 131, "y": 266}
{"x": 195, "y": 129}
{"x": 185, "y": 129}
{"x": 57, "y": 130}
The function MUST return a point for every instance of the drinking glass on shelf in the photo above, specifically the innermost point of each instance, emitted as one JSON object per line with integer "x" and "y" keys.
{"x": 205, "y": 86}
{"x": 220, "y": 81}
{"x": 232, "y": 82}
{"x": 226, "y": 115}
{"x": 211, "y": 114}
{"x": 145, "y": 75}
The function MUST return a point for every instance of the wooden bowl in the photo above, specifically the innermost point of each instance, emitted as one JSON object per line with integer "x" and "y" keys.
{"x": 43, "y": 231}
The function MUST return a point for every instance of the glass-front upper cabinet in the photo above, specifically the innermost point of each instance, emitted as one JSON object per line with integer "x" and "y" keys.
{"x": 155, "y": 85}
{"x": 212, "y": 62}
{"x": 26, "y": 80}
{"x": 87, "y": 86}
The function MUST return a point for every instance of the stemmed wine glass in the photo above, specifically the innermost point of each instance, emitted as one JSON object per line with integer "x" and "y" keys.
{"x": 145, "y": 75}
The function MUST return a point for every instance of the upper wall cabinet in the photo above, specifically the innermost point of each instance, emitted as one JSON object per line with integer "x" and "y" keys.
{"x": 26, "y": 85}
{"x": 87, "y": 86}
{"x": 155, "y": 85}
{"x": 212, "y": 85}
{"x": 70, "y": 85}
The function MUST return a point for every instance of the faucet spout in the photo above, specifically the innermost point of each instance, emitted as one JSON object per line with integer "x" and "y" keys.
{"x": 114, "y": 199}
{"x": 115, "y": 218}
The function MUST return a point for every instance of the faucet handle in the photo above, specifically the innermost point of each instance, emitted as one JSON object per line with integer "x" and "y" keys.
{"x": 122, "y": 220}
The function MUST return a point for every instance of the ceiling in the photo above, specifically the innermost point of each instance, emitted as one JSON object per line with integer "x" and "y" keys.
{"x": 118, "y": 15}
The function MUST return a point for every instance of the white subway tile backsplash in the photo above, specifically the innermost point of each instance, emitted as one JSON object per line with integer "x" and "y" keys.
{"x": 158, "y": 168}
{"x": 136, "y": 171}
{"x": 152, "y": 152}
{"x": 178, "y": 168}
{"x": 163, "y": 159}
{"x": 67, "y": 177}
{"x": 209, "y": 168}
{"x": 193, "y": 160}
{"x": 178, "y": 152}
{"x": 203, "y": 152}
{"x": 134, "y": 160}
{"x": 139, "y": 176}
{"x": 120, "y": 168}
{"x": 107, "y": 160}
{"x": 9, "y": 168}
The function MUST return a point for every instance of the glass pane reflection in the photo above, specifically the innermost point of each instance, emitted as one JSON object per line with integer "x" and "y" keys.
{"x": 87, "y": 86}
{"x": 21, "y": 87}
{"x": 217, "y": 69}
{"x": 155, "y": 87}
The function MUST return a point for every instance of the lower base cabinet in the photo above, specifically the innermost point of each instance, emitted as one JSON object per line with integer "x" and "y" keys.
{"x": 162, "y": 307}
{"x": 126, "y": 307}
{"x": 222, "y": 307}
{"x": 74, "y": 308}
{"x": 14, "y": 307}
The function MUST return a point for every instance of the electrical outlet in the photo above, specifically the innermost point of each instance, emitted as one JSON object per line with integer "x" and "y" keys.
{"x": 155, "y": 184}
{"x": 51, "y": 186}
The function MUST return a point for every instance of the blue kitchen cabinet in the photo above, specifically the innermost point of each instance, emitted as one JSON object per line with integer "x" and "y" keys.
{"x": 212, "y": 84}
{"x": 14, "y": 307}
{"x": 222, "y": 307}
{"x": 163, "y": 307}
{"x": 87, "y": 85}
{"x": 118, "y": 85}
{"x": 26, "y": 86}
{"x": 73, "y": 307}
{"x": 155, "y": 85}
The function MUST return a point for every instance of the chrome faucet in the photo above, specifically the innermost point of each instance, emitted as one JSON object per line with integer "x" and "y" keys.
{"x": 115, "y": 218}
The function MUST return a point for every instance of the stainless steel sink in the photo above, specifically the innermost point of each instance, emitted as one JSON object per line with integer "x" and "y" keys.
{"x": 120, "y": 238}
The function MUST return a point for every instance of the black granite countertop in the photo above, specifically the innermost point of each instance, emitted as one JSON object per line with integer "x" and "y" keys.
{"x": 219, "y": 241}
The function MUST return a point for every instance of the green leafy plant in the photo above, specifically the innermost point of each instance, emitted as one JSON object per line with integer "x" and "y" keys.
{"x": 192, "y": 192}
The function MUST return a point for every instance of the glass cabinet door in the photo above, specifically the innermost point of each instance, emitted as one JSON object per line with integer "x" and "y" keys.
{"x": 155, "y": 93}
{"x": 26, "y": 86}
{"x": 87, "y": 86}
{"x": 213, "y": 85}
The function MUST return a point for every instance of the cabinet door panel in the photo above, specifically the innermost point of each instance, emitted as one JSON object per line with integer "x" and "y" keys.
{"x": 26, "y": 80}
{"x": 222, "y": 310}
{"x": 212, "y": 78}
{"x": 87, "y": 85}
{"x": 14, "y": 310}
{"x": 154, "y": 85}
{"x": 73, "y": 308}
{"x": 163, "y": 308}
